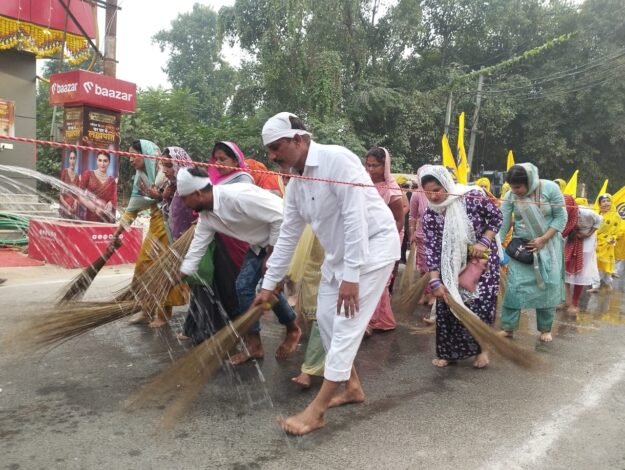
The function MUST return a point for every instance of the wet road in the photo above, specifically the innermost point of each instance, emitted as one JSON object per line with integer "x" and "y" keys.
{"x": 63, "y": 409}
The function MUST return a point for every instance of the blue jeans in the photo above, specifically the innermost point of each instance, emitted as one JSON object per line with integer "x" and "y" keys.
{"x": 250, "y": 274}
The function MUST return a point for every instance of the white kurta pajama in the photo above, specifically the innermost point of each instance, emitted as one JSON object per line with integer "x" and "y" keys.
{"x": 358, "y": 233}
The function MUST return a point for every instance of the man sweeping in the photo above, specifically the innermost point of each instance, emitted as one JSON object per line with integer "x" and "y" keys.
{"x": 358, "y": 233}
{"x": 250, "y": 214}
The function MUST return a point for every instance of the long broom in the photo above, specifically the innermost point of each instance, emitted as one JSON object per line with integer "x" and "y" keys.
{"x": 177, "y": 387}
{"x": 487, "y": 338}
{"x": 407, "y": 276}
{"x": 79, "y": 285}
{"x": 147, "y": 291}
{"x": 148, "y": 287}
{"x": 406, "y": 300}
{"x": 73, "y": 319}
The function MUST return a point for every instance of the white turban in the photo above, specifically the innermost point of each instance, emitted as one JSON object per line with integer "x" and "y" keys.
{"x": 279, "y": 127}
{"x": 188, "y": 183}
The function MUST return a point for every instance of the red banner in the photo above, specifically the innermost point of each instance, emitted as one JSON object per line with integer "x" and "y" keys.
{"x": 78, "y": 245}
{"x": 81, "y": 87}
{"x": 51, "y": 14}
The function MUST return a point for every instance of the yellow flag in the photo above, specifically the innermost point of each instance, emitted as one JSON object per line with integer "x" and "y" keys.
{"x": 604, "y": 189}
{"x": 510, "y": 160}
{"x": 618, "y": 202}
{"x": 571, "y": 186}
{"x": 448, "y": 157}
{"x": 463, "y": 167}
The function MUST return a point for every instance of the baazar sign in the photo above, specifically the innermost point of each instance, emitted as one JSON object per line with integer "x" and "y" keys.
{"x": 78, "y": 87}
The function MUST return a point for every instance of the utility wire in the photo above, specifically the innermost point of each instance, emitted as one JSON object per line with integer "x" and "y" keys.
{"x": 595, "y": 63}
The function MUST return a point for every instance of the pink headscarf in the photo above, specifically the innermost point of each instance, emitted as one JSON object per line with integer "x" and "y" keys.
{"x": 388, "y": 189}
{"x": 213, "y": 172}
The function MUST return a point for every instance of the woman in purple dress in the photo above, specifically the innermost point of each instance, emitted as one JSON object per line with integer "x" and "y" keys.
{"x": 460, "y": 223}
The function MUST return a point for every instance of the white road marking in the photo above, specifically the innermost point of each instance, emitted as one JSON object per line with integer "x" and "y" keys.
{"x": 546, "y": 433}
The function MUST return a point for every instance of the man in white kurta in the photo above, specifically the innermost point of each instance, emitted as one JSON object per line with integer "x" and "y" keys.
{"x": 361, "y": 243}
{"x": 250, "y": 214}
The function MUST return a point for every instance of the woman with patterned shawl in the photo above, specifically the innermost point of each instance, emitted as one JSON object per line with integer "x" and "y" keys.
{"x": 157, "y": 239}
{"x": 460, "y": 223}
{"x": 539, "y": 218}
{"x": 378, "y": 165}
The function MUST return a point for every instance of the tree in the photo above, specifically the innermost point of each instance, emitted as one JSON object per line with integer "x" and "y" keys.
{"x": 195, "y": 61}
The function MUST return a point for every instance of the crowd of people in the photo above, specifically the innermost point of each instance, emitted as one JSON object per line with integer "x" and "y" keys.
{"x": 337, "y": 246}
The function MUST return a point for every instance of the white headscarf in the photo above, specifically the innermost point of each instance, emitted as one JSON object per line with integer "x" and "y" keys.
{"x": 458, "y": 232}
{"x": 279, "y": 127}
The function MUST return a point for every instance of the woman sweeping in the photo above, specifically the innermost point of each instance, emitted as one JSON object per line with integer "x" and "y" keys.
{"x": 460, "y": 226}
{"x": 157, "y": 238}
{"x": 214, "y": 285}
{"x": 580, "y": 256}
{"x": 305, "y": 271}
{"x": 535, "y": 271}
{"x": 378, "y": 165}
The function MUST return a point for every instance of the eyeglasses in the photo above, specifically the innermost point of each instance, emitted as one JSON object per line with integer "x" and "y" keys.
{"x": 373, "y": 165}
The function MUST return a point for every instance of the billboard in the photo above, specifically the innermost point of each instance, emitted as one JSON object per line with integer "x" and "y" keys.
{"x": 78, "y": 87}
{"x": 90, "y": 170}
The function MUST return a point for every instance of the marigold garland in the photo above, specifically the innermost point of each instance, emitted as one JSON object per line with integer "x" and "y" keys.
{"x": 42, "y": 41}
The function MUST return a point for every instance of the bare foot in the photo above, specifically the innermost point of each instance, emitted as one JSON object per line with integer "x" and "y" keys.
{"x": 138, "y": 318}
{"x": 368, "y": 332}
{"x": 158, "y": 322}
{"x": 302, "y": 423}
{"x": 289, "y": 345}
{"x": 438, "y": 362}
{"x": 505, "y": 334}
{"x": 546, "y": 337}
{"x": 594, "y": 290}
{"x": 303, "y": 380}
{"x": 182, "y": 337}
{"x": 347, "y": 396}
{"x": 561, "y": 306}
{"x": 429, "y": 321}
{"x": 572, "y": 310}
{"x": 481, "y": 360}
{"x": 254, "y": 350}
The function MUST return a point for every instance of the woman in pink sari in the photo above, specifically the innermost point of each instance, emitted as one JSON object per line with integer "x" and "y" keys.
{"x": 378, "y": 165}
{"x": 102, "y": 186}
{"x": 232, "y": 169}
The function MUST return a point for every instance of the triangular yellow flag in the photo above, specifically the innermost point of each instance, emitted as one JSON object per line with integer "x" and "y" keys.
{"x": 571, "y": 186}
{"x": 618, "y": 202}
{"x": 463, "y": 167}
{"x": 448, "y": 157}
{"x": 603, "y": 190}
{"x": 510, "y": 161}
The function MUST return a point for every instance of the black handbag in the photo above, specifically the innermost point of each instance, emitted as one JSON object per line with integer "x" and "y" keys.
{"x": 517, "y": 250}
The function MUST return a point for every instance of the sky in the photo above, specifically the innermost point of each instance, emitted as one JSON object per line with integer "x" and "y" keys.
{"x": 140, "y": 61}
